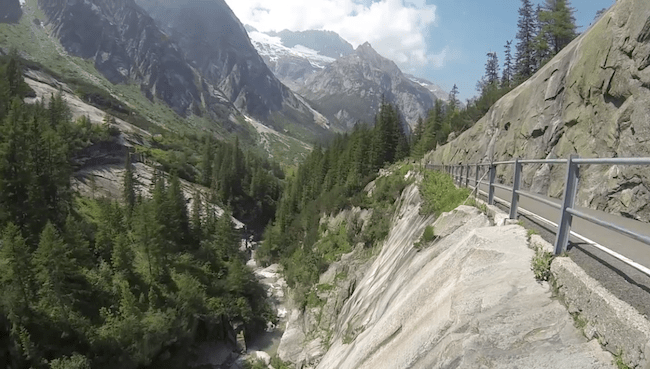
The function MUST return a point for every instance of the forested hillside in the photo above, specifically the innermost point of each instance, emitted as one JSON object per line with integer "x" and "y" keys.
{"x": 102, "y": 283}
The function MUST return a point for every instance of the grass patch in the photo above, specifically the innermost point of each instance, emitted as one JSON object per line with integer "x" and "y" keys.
{"x": 341, "y": 276}
{"x": 277, "y": 363}
{"x": 619, "y": 361}
{"x": 440, "y": 194}
{"x": 427, "y": 236}
{"x": 541, "y": 264}
{"x": 530, "y": 232}
{"x": 325, "y": 287}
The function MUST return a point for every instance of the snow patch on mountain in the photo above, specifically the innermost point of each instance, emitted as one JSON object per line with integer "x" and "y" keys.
{"x": 435, "y": 89}
{"x": 272, "y": 47}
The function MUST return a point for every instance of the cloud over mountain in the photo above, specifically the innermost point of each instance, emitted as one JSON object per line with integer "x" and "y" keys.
{"x": 396, "y": 29}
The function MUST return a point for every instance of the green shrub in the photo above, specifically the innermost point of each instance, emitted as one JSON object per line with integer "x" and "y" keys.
{"x": 277, "y": 363}
{"x": 428, "y": 236}
{"x": 541, "y": 264}
{"x": 440, "y": 194}
{"x": 377, "y": 228}
{"x": 619, "y": 361}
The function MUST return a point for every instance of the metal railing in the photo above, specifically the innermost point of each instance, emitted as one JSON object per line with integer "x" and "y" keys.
{"x": 461, "y": 175}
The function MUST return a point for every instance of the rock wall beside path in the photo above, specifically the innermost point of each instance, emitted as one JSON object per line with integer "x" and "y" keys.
{"x": 592, "y": 99}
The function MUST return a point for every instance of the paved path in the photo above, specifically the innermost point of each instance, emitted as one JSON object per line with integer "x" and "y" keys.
{"x": 624, "y": 281}
{"x": 633, "y": 249}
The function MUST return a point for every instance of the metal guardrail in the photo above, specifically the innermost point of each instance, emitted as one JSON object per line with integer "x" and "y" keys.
{"x": 461, "y": 176}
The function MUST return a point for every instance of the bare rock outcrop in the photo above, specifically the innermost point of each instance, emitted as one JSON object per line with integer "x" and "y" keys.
{"x": 467, "y": 299}
{"x": 592, "y": 99}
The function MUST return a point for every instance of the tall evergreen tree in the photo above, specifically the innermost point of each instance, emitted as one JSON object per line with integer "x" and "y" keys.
{"x": 453, "y": 98}
{"x": 559, "y": 24}
{"x": 197, "y": 210}
{"x": 129, "y": 194}
{"x": 206, "y": 161}
{"x": 16, "y": 277}
{"x": 506, "y": 79}
{"x": 54, "y": 269}
{"x": 492, "y": 68}
{"x": 525, "y": 55}
{"x": 542, "y": 39}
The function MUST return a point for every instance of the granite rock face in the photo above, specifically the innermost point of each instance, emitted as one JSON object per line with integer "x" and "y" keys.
{"x": 125, "y": 45}
{"x": 351, "y": 88}
{"x": 465, "y": 300}
{"x": 215, "y": 42}
{"x": 592, "y": 99}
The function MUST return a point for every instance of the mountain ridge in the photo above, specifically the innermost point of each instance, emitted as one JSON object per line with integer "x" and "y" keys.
{"x": 216, "y": 43}
{"x": 351, "y": 88}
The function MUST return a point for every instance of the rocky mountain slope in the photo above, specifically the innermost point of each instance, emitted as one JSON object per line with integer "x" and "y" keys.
{"x": 326, "y": 43}
{"x": 125, "y": 44}
{"x": 351, "y": 88}
{"x": 215, "y": 43}
{"x": 114, "y": 57}
{"x": 290, "y": 64}
{"x": 592, "y": 99}
{"x": 466, "y": 300}
{"x": 435, "y": 89}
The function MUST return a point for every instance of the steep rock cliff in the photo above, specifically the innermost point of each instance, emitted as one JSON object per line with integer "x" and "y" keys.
{"x": 125, "y": 45}
{"x": 592, "y": 99}
{"x": 350, "y": 89}
{"x": 216, "y": 43}
{"x": 465, "y": 300}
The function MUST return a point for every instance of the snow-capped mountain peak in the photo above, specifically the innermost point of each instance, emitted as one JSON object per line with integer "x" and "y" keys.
{"x": 272, "y": 49}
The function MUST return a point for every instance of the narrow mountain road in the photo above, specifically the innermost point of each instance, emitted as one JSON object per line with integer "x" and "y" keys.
{"x": 627, "y": 283}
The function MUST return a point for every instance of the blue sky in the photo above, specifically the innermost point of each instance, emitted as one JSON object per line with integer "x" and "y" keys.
{"x": 444, "y": 41}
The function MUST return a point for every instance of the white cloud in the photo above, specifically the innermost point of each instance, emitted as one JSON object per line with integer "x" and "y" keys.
{"x": 397, "y": 29}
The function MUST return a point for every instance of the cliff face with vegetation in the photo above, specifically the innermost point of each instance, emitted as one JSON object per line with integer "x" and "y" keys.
{"x": 592, "y": 99}
{"x": 466, "y": 298}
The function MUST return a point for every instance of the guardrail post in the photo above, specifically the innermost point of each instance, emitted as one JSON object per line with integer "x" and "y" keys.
{"x": 467, "y": 176}
{"x": 515, "y": 187}
{"x": 476, "y": 179}
{"x": 570, "y": 190}
{"x": 461, "y": 179}
{"x": 493, "y": 176}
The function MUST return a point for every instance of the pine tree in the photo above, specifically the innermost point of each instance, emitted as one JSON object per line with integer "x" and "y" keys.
{"x": 492, "y": 68}
{"x": 129, "y": 194}
{"x": 525, "y": 55}
{"x": 17, "y": 271}
{"x": 453, "y": 98}
{"x": 14, "y": 75}
{"x": 559, "y": 24}
{"x": 15, "y": 174}
{"x": 54, "y": 267}
{"x": 226, "y": 239}
{"x": 506, "y": 80}
{"x": 206, "y": 162}
{"x": 197, "y": 229}
{"x": 599, "y": 14}
{"x": 542, "y": 39}
{"x": 150, "y": 248}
